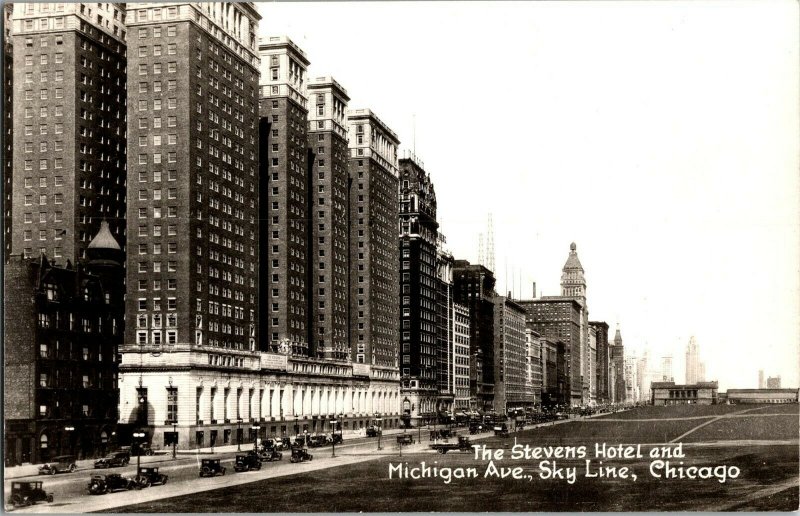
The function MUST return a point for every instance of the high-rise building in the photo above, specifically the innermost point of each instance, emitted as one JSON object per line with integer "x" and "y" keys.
{"x": 692, "y": 362}
{"x": 285, "y": 263}
{"x": 445, "y": 335}
{"x": 618, "y": 364}
{"x": 666, "y": 369}
{"x": 8, "y": 127}
{"x": 328, "y": 245}
{"x": 603, "y": 361}
{"x": 418, "y": 253}
{"x": 511, "y": 391}
{"x": 69, "y": 119}
{"x": 60, "y": 371}
{"x": 193, "y": 218}
{"x": 573, "y": 284}
{"x": 460, "y": 357}
{"x": 534, "y": 364}
{"x": 631, "y": 379}
{"x": 701, "y": 372}
{"x": 374, "y": 276}
{"x": 774, "y": 382}
{"x": 762, "y": 384}
{"x": 473, "y": 286}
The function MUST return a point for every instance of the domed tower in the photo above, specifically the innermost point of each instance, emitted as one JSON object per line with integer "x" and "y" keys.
{"x": 106, "y": 259}
{"x": 573, "y": 283}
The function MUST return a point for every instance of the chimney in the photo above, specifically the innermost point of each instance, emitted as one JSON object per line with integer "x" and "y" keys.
{"x": 534, "y": 290}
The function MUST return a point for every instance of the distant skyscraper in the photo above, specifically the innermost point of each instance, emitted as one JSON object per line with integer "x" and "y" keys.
{"x": 692, "y": 362}
{"x": 774, "y": 382}
{"x": 761, "y": 381}
{"x": 618, "y": 361}
{"x": 701, "y": 372}
{"x": 666, "y": 369}
{"x": 490, "y": 244}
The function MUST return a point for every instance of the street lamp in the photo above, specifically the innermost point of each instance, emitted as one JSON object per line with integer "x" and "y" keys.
{"x": 256, "y": 427}
{"x": 333, "y": 437}
{"x": 136, "y": 436}
{"x": 296, "y": 425}
{"x": 379, "y": 421}
{"x": 239, "y": 434}
{"x": 69, "y": 430}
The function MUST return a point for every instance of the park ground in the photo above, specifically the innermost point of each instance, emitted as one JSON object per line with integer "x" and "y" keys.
{"x": 761, "y": 441}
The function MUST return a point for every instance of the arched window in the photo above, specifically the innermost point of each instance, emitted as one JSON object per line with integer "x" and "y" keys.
{"x": 43, "y": 441}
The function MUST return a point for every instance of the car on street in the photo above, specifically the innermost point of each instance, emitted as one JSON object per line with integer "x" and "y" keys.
{"x": 247, "y": 462}
{"x": 120, "y": 458}
{"x": 149, "y": 476}
{"x": 300, "y": 455}
{"x": 142, "y": 449}
{"x": 269, "y": 454}
{"x": 60, "y": 464}
{"x": 28, "y": 493}
{"x": 211, "y": 468}
{"x": 102, "y": 484}
{"x": 374, "y": 431}
{"x": 315, "y": 441}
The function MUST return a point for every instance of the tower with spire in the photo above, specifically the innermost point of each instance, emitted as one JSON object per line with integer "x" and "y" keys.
{"x": 573, "y": 281}
{"x": 618, "y": 364}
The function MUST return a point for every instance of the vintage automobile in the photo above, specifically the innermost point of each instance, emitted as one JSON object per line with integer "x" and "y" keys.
{"x": 315, "y": 441}
{"x": 283, "y": 443}
{"x": 120, "y": 458}
{"x": 337, "y": 438}
{"x": 269, "y": 454}
{"x": 373, "y": 431}
{"x": 405, "y": 439}
{"x": 142, "y": 449}
{"x": 27, "y": 493}
{"x": 476, "y": 428}
{"x": 444, "y": 433}
{"x": 102, "y": 484}
{"x": 61, "y": 464}
{"x": 300, "y": 455}
{"x": 247, "y": 462}
{"x": 211, "y": 468}
{"x": 300, "y": 441}
{"x": 149, "y": 476}
{"x": 501, "y": 430}
{"x": 463, "y": 445}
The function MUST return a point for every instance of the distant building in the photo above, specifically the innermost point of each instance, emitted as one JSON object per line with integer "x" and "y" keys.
{"x": 631, "y": 379}
{"x": 666, "y": 369}
{"x": 692, "y": 361}
{"x": 762, "y": 384}
{"x": 554, "y": 373}
{"x": 60, "y": 373}
{"x": 618, "y": 366}
{"x": 774, "y": 382}
{"x": 473, "y": 286}
{"x": 461, "y": 357}
{"x": 603, "y": 361}
{"x": 776, "y": 395}
{"x": 512, "y": 392}
{"x": 701, "y": 372}
{"x": 8, "y": 125}
{"x": 668, "y": 393}
{"x": 534, "y": 364}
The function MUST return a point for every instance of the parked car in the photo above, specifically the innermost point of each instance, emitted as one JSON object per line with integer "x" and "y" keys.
{"x": 337, "y": 438}
{"x": 501, "y": 430}
{"x": 149, "y": 476}
{"x": 476, "y": 428}
{"x": 211, "y": 468}
{"x": 374, "y": 431}
{"x": 283, "y": 443}
{"x": 247, "y": 463}
{"x": 27, "y": 493}
{"x": 318, "y": 440}
{"x": 61, "y": 464}
{"x": 142, "y": 449}
{"x": 463, "y": 444}
{"x": 300, "y": 441}
{"x": 405, "y": 439}
{"x": 102, "y": 484}
{"x": 300, "y": 455}
{"x": 269, "y": 454}
{"x": 120, "y": 458}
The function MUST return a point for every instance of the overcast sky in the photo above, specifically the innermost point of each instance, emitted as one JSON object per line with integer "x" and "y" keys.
{"x": 660, "y": 137}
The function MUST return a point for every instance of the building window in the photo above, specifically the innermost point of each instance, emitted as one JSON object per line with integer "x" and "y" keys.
{"x": 172, "y": 404}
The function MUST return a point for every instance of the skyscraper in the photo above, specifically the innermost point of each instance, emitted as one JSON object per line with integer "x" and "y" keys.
{"x": 512, "y": 391}
{"x": 69, "y": 117}
{"x": 417, "y": 298}
{"x": 666, "y": 369}
{"x": 328, "y": 197}
{"x": 8, "y": 127}
{"x": 692, "y": 362}
{"x": 374, "y": 281}
{"x": 618, "y": 361}
{"x": 192, "y": 214}
{"x": 573, "y": 284}
{"x": 285, "y": 264}
{"x": 603, "y": 361}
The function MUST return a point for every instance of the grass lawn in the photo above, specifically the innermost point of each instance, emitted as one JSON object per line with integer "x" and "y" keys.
{"x": 367, "y": 487}
{"x": 675, "y": 411}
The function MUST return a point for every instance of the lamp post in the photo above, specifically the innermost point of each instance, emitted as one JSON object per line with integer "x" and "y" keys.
{"x": 174, "y": 439}
{"x": 137, "y": 436}
{"x": 379, "y": 420}
{"x": 256, "y": 427}
{"x": 69, "y": 430}
{"x": 333, "y": 437}
{"x": 239, "y": 434}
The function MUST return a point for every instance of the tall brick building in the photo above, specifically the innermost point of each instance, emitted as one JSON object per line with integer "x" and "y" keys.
{"x": 512, "y": 390}
{"x": 192, "y": 211}
{"x": 328, "y": 196}
{"x": 418, "y": 296}
{"x": 60, "y": 353}
{"x": 473, "y": 286}
{"x": 603, "y": 361}
{"x": 374, "y": 276}
{"x": 8, "y": 127}
{"x": 285, "y": 262}
{"x": 69, "y": 127}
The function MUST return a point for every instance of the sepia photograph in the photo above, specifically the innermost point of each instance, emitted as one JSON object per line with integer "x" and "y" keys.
{"x": 401, "y": 256}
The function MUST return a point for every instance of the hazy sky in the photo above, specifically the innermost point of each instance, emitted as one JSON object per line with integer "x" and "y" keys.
{"x": 661, "y": 137}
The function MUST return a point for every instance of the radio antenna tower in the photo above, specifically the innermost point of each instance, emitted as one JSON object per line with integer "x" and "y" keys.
{"x": 480, "y": 249}
{"x": 490, "y": 245}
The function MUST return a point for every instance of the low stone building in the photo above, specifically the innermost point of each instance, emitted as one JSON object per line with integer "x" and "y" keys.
{"x": 762, "y": 396}
{"x": 668, "y": 393}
